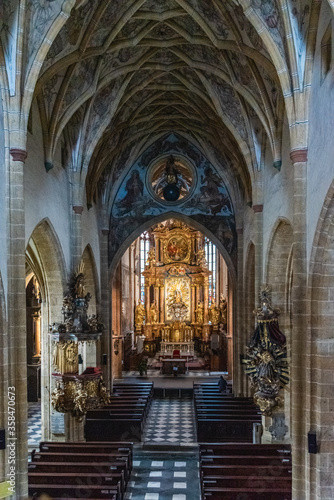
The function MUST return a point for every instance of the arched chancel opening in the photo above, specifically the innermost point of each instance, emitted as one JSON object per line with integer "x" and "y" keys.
{"x": 171, "y": 259}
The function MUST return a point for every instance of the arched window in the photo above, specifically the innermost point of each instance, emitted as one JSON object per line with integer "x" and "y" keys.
{"x": 211, "y": 258}
{"x": 144, "y": 248}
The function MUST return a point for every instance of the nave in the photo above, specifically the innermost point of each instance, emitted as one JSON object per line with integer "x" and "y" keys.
{"x": 172, "y": 457}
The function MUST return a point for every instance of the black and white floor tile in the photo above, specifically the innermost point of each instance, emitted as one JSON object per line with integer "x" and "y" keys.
{"x": 167, "y": 477}
{"x": 34, "y": 424}
{"x": 171, "y": 422}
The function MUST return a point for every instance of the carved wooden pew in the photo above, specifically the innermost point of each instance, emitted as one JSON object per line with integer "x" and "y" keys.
{"x": 255, "y": 472}
{"x": 70, "y": 490}
{"x": 124, "y": 417}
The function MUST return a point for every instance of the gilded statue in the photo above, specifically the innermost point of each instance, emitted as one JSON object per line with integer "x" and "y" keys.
{"x": 65, "y": 357}
{"x": 223, "y": 309}
{"x": 154, "y": 313}
{"x": 151, "y": 261}
{"x": 200, "y": 313}
{"x": 139, "y": 314}
{"x": 214, "y": 314}
{"x": 177, "y": 308}
{"x": 201, "y": 259}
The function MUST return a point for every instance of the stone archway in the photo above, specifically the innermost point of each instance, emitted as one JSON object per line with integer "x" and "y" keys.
{"x": 117, "y": 272}
{"x": 91, "y": 279}
{"x": 279, "y": 276}
{"x": 319, "y": 471}
{"x": 44, "y": 259}
{"x": 3, "y": 377}
{"x": 250, "y": 300}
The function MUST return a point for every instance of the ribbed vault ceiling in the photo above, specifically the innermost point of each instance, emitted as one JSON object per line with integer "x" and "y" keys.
{"x": 122, "y": 73}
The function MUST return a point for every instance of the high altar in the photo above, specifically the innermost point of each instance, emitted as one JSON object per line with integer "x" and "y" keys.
{"x": 176, "y": 308}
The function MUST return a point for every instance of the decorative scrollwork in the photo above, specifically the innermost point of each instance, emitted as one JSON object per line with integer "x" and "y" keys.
{"x": 266, "y": 362}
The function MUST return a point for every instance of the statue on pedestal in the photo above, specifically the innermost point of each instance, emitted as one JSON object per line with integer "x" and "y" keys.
{"x": 139, "y": 314}
{"x": 223, "y": 309}
{"x": 214, "y": 314}
{"x": 154, "y": 313}
{"x": 177, "y": 308}
{"x": 151, "y": 261}
{"x": 200, "y": 313}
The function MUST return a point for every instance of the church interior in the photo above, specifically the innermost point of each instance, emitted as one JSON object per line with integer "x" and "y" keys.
{"x": 166, "y": 249}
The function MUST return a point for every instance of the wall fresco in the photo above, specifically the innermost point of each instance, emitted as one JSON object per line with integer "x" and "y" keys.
{"x": 209, "y": 204}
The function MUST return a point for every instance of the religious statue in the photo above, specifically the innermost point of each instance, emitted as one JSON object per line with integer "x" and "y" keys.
{"x": 154, "y": 313}
{"x": 266, "y": 362}
{"x": 151, "y": 258}
{"x": 139, "y": 314}
{"x": 214, "y": 314}
{"x": 65, "y": 357}
{"x": 201, "y": 259}
{"x": 200, "y": 313}
{"x": 223, "y": 309}
{"x": 177, "y": 308}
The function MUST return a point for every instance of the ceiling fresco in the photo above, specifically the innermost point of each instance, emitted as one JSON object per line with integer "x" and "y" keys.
{"x": 209, "y": 202}
{"x": 111, "y": 78}
{"x": 188, "y": 66}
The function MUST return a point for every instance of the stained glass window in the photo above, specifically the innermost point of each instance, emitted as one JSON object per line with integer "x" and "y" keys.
{"x": 144, "y": 248}
{"x": 211, "y": 258}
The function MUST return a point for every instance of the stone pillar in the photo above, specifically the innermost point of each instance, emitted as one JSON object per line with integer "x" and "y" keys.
{"x": 238, "y": 315}
{"x": 37, "y": 332}
{"x": 76, "y": 235}
{"x": 105, "y": 308}
{"x": 258, "y": 241}
{"x": 17, "y": 357}
{"x": 299, "y": 340}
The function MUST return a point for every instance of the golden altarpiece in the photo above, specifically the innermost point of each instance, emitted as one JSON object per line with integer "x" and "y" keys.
{"x": 176, "y": 308}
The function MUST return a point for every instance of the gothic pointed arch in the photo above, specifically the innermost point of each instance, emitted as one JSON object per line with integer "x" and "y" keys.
{"x": 321, "y": 338}
{"x": 91, "y": 279}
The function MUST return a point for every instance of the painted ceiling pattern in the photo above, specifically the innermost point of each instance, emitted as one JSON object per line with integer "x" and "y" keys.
{"x": 209, "y": 202}
{"x": 120, "y": 74}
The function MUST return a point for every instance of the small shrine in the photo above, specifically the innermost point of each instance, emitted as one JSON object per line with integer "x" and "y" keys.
{"x": 75, "y": 346}
{"x": 176, "y": 307}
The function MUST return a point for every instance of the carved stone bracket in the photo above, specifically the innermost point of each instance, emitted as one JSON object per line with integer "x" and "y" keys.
{"x": 18, "y": 154}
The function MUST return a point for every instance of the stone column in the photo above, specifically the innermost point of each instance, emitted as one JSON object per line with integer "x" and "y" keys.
{"x": 17, "y": 357}
{"x": 238, "y": 315}
{"x": 258, "y": 242}
{"x": 76, "y": 235}
{"x": 105, "y": 308}
{"x": 299, "y": 340}
{"x": 37, "y": 332}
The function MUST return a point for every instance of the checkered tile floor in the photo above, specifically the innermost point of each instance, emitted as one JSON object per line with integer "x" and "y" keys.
{"x": 167, "y": 477}
{"x": 34, "y": 423}
{"x": 171, "y": 421}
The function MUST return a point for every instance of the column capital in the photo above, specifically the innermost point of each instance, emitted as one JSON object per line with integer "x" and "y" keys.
{"x": 240, "y": 230}
{"x": 77, "y": 209}
{"x": 299, "y": 155}
{"x": 18, "y": 154}
{"x": 257, "y": 209}
{"x": 105, "y": 232}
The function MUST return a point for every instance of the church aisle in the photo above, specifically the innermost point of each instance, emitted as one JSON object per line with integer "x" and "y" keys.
{"x": 34, "y": 424}
{"x": 171, "y": 421}
{"x": 164, "y": 476}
